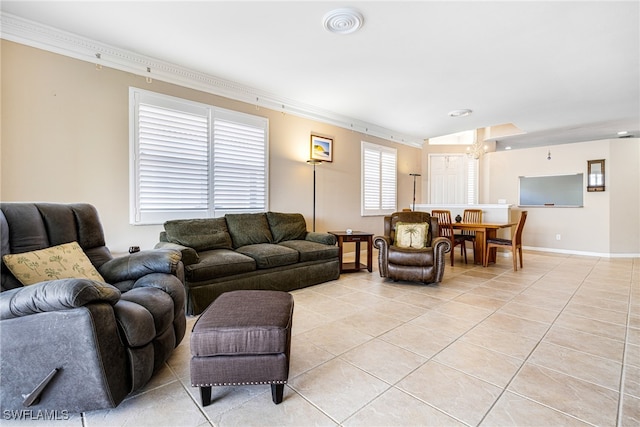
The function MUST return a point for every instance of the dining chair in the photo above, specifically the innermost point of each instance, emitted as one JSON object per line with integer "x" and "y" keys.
{"x": 515, "y": 243}
{"x": 471, "y": 216}
{"x": 446, "y": 230}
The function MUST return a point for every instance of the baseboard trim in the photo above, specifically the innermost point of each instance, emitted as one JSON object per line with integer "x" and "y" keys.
{"x": 583, "y": 253}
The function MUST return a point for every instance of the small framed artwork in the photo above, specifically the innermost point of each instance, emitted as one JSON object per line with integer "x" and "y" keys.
{"x": 321, "y": 148}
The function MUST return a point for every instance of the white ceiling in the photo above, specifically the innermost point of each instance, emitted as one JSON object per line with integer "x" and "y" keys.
{"x": 560, "y": 71}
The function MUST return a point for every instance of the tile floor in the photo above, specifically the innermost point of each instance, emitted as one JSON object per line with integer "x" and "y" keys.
{"x": 556, "y": 343}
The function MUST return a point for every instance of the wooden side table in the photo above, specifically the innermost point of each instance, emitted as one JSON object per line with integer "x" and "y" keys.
{"x": 355, "y": 237}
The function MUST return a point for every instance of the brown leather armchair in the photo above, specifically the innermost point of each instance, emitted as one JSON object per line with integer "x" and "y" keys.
{"x": 407, "y": 263}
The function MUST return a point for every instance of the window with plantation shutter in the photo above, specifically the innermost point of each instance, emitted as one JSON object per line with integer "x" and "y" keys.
{"x": 472, "y": 181}
{"x": 378, "y": 179}
{"x": 190, "y": 160}
{"x": 239, "y": 163}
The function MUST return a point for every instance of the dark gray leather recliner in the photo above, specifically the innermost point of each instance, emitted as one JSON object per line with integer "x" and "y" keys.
{"x": 94, "y": 342}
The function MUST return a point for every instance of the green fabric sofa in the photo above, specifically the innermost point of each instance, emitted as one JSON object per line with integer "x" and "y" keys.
{"x": 253, "y": 251}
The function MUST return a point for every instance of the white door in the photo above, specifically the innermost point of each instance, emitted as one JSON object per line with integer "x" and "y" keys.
{"x": 447, "y": 176}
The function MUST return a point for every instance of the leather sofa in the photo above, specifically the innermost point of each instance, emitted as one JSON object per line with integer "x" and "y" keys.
{"x": 81, "y": 343}
{"x": 423, "y": 262}
{"x": 254, "y": 251}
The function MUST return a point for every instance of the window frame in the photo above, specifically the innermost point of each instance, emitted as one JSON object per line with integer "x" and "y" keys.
{"x": 138, "y": 215}
{"x": 380, "y": 209}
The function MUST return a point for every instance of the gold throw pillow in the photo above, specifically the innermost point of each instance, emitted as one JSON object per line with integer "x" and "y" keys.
{"x": 57, "y": 262}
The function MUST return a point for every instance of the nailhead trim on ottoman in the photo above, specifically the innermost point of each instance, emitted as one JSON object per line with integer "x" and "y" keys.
{"x": 243, "y": 338}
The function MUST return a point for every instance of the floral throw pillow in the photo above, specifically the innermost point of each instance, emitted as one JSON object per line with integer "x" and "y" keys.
{"x": 57, "y": 262}
{"x": 411, "y": 235}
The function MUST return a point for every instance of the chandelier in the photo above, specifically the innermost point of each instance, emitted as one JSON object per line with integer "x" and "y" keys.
{"x": 476, "y": 149}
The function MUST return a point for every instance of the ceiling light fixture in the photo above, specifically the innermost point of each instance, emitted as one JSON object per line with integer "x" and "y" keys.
{"x": 624, "y": 134}
{"x": 460, "y": 113}
{"x": 343, "y": 21}
{"x": 477, "y": 149}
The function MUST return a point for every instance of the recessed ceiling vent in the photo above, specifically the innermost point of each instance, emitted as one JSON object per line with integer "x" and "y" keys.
{"x": 343, "y": 21}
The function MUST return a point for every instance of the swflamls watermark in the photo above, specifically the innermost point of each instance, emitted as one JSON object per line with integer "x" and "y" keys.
{"x": 37, "y": 415}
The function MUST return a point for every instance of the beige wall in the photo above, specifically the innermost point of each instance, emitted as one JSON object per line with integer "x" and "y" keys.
{"x": 65, "y": 138}
{"x": 623, "y": 180}
{"x": 608, "y": 222}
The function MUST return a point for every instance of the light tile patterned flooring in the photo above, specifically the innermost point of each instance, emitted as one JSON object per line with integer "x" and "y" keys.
{"x": 556, "y": 343}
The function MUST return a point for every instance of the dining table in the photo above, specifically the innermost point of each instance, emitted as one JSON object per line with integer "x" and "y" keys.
{"x": 483, "y": 231}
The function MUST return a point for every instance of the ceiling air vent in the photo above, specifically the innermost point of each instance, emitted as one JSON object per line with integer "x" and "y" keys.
{"x": 343, "y": 21}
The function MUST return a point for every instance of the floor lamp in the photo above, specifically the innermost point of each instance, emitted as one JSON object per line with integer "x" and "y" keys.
{"x": 314, "y": 162}
{"x": 414, "y": 175}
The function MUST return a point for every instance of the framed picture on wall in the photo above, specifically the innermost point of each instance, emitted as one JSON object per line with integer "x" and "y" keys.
{"x": 321, "y": 148}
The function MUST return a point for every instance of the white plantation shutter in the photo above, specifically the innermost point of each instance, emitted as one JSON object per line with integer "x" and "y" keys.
{"x": 388, "y": 179}
{"x": 192, "y": 160}
{"x": 239, "y": 165}
{"x": 371, "y": 181}
{"x": 378, "y": 179}
{"x": 472, "y": 181}
{"x": 173, "y": 159}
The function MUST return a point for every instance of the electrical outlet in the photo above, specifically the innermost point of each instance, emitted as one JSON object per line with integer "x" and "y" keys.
{"x": 558, "y": 237}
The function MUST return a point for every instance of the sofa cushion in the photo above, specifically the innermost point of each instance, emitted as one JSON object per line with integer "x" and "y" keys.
{"x": 200, "y": 234}
{"x": 218, "y": 263}
{"x": 268, "y": 255}
{"x": 28, "y": 232}
{"x": 287, "y": 226}
{"x": 411, "y": 234}
{"x": 248, "y": 229}
{"x": 311, "y": 251}
{"x": 65, "y": 261}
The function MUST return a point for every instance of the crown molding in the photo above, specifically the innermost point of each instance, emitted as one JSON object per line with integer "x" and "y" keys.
{"x": 54, "y": 40}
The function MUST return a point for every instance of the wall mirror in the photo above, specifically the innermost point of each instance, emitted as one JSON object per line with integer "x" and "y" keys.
{"x": 595, "y": 175}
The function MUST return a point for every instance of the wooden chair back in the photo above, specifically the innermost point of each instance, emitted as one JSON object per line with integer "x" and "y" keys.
{"x": 446, "y": 230}
{"x": 444, "y": 222}
{"x": 517, "y": 236}
{"x": 472, "y": 216}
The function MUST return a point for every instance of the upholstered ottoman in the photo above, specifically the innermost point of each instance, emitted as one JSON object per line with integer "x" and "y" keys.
{"x": 242, "y": 338}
